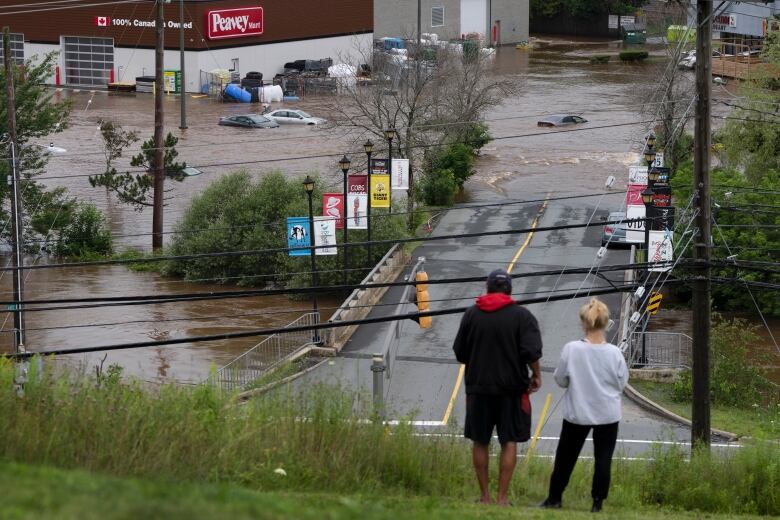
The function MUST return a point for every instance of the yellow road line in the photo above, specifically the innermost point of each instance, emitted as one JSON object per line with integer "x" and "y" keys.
{"x": 462, "y": 370}
{"x": 454, "y": 395}
{"x": 535, "y": 439}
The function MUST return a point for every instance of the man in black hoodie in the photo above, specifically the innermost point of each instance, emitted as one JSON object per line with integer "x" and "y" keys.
{"x": 498, "y": 341}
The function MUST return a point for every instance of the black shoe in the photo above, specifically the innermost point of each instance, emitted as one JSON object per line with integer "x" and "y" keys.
{"x": 550, "y": 504}
{"x": 597, "y": 503}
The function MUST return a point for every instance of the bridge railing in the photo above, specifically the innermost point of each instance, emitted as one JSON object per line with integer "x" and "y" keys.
{"x": 660, "y": 349}
{"x": 269, "y": 353}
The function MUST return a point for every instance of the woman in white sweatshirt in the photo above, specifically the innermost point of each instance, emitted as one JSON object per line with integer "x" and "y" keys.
{"x": 594, "y": 374}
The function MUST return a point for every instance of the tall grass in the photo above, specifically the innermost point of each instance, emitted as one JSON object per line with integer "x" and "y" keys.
{"x": 323, "y": 442}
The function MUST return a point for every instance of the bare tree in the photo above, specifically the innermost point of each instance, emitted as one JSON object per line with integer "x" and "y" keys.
{"x": 431, "y": 96}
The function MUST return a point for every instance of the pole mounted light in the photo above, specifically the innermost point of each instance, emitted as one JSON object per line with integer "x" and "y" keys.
{"x": 647, "y": 196}
{"x": 344, "y": 164}
{"x": 649, "y": 155}
{"x": 390, "y": 134}
{"x": 650, "y": 137}
{"x": 308, "y": 184}
{"x": 368, "y": 146}
{"x": 652, "y": 176}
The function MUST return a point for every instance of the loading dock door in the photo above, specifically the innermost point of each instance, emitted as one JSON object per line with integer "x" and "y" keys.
{"x": 473, "y": 17}
{"x": 88, "y": 61}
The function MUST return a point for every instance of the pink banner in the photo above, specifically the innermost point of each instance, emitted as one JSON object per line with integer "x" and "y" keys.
{"x": 333, "y": 207}
{"x": 634, "y": 194}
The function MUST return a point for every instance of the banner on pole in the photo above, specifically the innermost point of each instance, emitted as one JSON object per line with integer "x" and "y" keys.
{"x": 634, "y": 194}
{"x": 333, "y": 208}
{"x": 400, "y": 174}
{"x": 380, "y": 191}
{"x": 635, "y": 231}
{"x": 663, "y": 218}
{"x": 661, "y": 250}
{"x": 663, "y": 195}
{"x": 659, "y": 160}
{"x": 357, "y": 201}
{"x": 325, "y": 235}
{"x": 379, "y": 166}
{"x": 637, "y": 175}
{"x": 298, "y": 235}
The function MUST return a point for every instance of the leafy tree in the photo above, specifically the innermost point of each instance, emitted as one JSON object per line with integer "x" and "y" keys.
{"x": 38, "y": 115}
{"x": 439, "y": 188}
{"x": 135, "y": 189}
{"x": 459, "y": 159}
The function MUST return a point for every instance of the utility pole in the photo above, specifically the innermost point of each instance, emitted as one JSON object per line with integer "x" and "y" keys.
{"x": 183, "y": 84}
{"x": 159, "y": 151}
{"x": 700, "y": 431}
{"x": 16, "y": 202}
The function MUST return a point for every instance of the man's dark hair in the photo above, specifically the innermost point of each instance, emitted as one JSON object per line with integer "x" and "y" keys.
{"x": 499, "y": 281}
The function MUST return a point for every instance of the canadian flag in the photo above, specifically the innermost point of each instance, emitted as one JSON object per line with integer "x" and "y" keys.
{"x": 102, "y": 21}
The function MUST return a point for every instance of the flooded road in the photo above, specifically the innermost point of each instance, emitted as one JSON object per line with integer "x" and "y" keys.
{"x": 550, "y": 80}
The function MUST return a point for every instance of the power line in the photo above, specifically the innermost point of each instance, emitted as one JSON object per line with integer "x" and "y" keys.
{"x": 196, "y": 256}
{"x": 107, "y": 301}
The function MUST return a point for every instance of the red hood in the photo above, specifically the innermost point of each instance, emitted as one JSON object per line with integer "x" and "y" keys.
{"x": 492, "y": 302}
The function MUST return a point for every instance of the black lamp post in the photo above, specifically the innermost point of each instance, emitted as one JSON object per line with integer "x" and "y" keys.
{"x": 390, "y": 134}
{"x": 308, "y": 185}
{"x": 368, "y": 146}
{"x": 650, "y": 159}
{"x": 344, "y": 164}
{"x": 647, "y": 198}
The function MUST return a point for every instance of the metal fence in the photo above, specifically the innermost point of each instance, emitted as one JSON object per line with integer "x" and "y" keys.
{"x": 660, "y": 349}
{"x": 269, "y": 353}
{"x": 212, "y": 84}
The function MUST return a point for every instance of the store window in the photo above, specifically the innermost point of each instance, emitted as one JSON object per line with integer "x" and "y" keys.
{"x": 17, "y": 49}
{"x": 437, "y": 16}
{"x": 88, "y": 61}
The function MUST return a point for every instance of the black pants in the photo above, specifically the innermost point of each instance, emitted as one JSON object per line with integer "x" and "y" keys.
{"x": 569, "y": 447}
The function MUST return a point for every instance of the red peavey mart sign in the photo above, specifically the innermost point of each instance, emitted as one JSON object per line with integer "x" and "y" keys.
{"x": 234, "y": 23}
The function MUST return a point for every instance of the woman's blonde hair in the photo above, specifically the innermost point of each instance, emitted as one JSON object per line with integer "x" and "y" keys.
{"x": 594, "y": 315}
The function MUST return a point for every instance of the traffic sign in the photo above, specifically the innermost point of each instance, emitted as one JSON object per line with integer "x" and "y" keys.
{"x": 654, "y": 302}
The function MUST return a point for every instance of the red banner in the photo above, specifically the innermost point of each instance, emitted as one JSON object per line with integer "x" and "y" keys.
{"x": 634, "y": 194}
{"x": 357, "y": 184}
{"x": 333, "y": 207}
{"x": 234, "y": 23}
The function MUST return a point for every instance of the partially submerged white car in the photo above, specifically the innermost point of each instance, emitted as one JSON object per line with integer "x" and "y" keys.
{"x": 284, "y": 116}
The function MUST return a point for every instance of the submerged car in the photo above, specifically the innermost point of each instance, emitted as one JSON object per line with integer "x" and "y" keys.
{"x": 248, "y": 121}
{"x": 294, "y": 116}
{"x": 614, "y": 233}
{"x": 561, "y": 120}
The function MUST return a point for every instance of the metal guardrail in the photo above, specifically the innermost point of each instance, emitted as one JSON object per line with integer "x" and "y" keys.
{"x": 661, "y": 349}
{"x": 269, "y": 353}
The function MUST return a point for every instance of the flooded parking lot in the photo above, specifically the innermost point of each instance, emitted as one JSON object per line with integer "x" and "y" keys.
{"x": 524, "y": 161}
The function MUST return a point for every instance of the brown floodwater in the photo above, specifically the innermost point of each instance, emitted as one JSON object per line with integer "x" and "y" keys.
{"x": 553, "y": 79}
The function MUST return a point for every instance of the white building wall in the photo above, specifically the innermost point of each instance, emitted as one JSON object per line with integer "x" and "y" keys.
{"x": 40, "y": 50}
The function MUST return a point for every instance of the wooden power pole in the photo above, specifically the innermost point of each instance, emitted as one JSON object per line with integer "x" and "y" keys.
{"x": 700, "y": 432}
{"x": 16, "y": 202}
{"x": 159, "y": 137}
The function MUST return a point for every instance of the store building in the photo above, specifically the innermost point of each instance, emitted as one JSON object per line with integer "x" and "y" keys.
{"x": 496, "y": 21}
{"x": 743, "y": 20}
{"x": 101, "y": 42}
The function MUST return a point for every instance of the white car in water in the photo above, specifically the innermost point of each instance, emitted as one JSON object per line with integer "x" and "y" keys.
{"x": 299, "y": 117}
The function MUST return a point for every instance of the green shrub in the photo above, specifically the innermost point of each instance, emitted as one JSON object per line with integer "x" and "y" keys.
{"x": 439, "y": 188}
{"x": 459, "y": 158}
{"x": 633, "y": 55}
{"x": 735, "y": 380}
{"x": 600, "y": 58}
{"x": 86, "y": 234}
{"x": 477, "y": 136}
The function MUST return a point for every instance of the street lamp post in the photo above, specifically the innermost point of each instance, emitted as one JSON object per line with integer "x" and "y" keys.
{"x": 647, "y": 199}
{"x": 344, "y": 164}
{"x": 390, "y": 134}
{"x": 368, "y": 146}
{"x": 650, "y": 154}
{"x": 308, "y": 185}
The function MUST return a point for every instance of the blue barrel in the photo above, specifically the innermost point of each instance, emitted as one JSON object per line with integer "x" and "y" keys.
{"x": 237, "y": 93}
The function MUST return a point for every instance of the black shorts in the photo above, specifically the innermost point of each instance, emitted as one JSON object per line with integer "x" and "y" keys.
{"x": 510, "y": 415}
